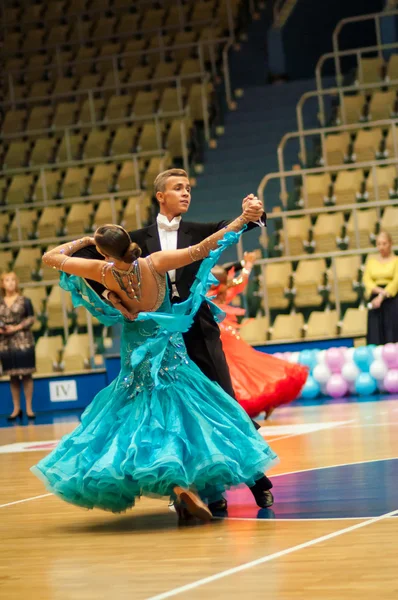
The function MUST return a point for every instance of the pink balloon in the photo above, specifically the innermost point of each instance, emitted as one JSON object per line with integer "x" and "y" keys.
{"x": 390, "y": 382}
{"x": 336, "y": 387}
{"x": 335, "y": 359}
{"x": 390, "y": 355}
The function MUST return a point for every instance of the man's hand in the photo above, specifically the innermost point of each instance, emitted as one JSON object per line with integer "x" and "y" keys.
{"x": 253, "y": 210}
{"x": 117, "y": 303}
{"x": 248, "y": 200}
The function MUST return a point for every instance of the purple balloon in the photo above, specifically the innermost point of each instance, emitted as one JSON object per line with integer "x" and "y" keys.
{"x": 335, "y": 359}
{"x": 336, "y": 387}
{"x": 390, "y": 355}
{"x": 390, "y": 382}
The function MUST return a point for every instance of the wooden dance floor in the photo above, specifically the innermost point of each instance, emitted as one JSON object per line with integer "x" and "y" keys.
{"x": 332, "y": 533}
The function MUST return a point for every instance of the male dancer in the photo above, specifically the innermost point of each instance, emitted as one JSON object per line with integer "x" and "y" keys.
{"x": 173, "y": 192}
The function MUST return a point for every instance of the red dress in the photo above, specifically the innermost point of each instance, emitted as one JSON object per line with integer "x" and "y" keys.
{"x": 261, "y": 381}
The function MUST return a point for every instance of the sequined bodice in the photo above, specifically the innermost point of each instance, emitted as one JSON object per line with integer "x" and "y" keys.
{"x": 136, "y": 334}
{"x": 160, "y": 282}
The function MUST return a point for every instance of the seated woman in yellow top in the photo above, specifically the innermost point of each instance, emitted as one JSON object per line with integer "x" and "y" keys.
{"x": 381, "y": 284}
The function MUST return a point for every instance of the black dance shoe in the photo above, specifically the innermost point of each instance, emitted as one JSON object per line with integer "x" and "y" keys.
{"x": 13, "y": 418}
{"x": 263, "y": 498}
{"x": 218, "y": 508}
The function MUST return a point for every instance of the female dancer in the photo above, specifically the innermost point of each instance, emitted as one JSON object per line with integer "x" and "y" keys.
{"x": 261, "y": 381}
{"x": 161, "y": 427}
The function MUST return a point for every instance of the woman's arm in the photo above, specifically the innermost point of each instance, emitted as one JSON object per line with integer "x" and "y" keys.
{"x": 175, "y": 259}
{"x": 239, "y": 284}
{"x": 60, "y": 258}
{"x": 369, "y": 282}
{"x": 391, "y": 289}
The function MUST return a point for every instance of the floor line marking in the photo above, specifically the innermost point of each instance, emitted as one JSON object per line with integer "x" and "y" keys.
{"x": 348, "y": 464}
{"x": 321, "y": 429}
{"x": 268, "y": 558}
{"x": 25, "y": 500}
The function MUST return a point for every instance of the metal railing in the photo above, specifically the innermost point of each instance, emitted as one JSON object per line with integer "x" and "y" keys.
{"x": 325, "y": 255}
{"x": 357, "y": 52}
{"x": 59, "y": 66}
{"x": 333, "y": 92}
{"x": 323, "y": 132}
{"x": 90, "y": 94}
{"x": 278, "y": 11}
{"x": 87, "y": 12}
{"x": 41, "y": 172}
{"x": 281, "y": 177}
{"x": 159, "y": 32}
{"x": 352, "y": 208}
{"x": 375, "y": 17}
{"x": 65, "y": 133}
{"x": 16, "y": 210}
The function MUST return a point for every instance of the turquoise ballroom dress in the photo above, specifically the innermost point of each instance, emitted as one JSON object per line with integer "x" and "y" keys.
{"x": 161, "y": 422}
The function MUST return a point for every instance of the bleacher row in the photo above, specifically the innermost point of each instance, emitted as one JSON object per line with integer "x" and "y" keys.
{"x": 74, "y": 182}
{"x": 46, "y": 25}
{"x": 331, "y": 232}
{"x": 68, "y": 220}
{"x": 293, "y": 327}
{"x": 99, "y": 97}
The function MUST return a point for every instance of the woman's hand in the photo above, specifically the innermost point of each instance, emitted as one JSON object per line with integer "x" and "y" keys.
{"x": 377, "y": 302}
{"x": 378, "y": 290}
{"x": 249, "y": 257}
{"x": 10, "y": 329}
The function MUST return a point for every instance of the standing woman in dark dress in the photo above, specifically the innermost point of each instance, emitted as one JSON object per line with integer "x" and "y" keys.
{"x": 381, "y": 284}
{"x": 17, "y": 348}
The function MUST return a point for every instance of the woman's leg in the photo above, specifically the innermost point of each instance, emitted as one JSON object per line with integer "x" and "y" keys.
{"x": 27, "y": 382}
{"x": 15, "y": 386}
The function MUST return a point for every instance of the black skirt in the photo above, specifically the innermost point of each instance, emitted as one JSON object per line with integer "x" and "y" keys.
{"x": 383, "y": 322}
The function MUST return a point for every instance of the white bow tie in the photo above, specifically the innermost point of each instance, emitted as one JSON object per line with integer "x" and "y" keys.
{"x": 169, "y": 226}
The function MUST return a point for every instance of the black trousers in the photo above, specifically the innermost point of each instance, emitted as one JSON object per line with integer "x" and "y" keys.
{"x": 205, "y": 349}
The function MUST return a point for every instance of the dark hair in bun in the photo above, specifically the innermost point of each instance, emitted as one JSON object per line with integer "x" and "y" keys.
{"x": 114, "y": 241}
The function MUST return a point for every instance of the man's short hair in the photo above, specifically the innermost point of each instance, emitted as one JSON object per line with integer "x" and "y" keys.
{"x": 160, "y": 181}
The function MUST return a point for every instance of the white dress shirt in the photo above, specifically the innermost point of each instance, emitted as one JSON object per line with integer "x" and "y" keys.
{"x": 168, "y": 232}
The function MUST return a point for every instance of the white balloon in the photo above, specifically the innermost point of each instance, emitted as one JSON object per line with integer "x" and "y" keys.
{"x": 321, "y": 374}
{"x": 350, "y": 371}
{"x": 321, "y": 357}
{"x": 349, "y": 355}
{"x": 378, "y": 369}
{"x": 378, "y": 352}
{"x": 294, "y": 357}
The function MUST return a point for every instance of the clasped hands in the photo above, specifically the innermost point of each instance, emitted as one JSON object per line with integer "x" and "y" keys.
{"x": 252, "y": 207}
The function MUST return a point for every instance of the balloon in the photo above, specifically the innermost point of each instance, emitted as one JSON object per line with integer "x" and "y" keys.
{"x": 350, "y": 371}
{"x": 378, "y": 352}
{"x": 307, "y": 358}
{"x": 336, "y": 387}
{"x": 321, "y": 357}
{"x": 391, "y": 381}
{"x": 311, "y": 388}
{"x": 349, "y": 354}
{"x": 390, "y": 355}
{"x": 363, "y": 358}
{"x": 321, "y": 374}
{"x": 278, "y": 355}
{"x": 365, "y": 384}
{"x": 334, "y": 359}
{"x": 294, "y": 357}
{"x": 378, "y": 369}
{"x": 351, "y": 387}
